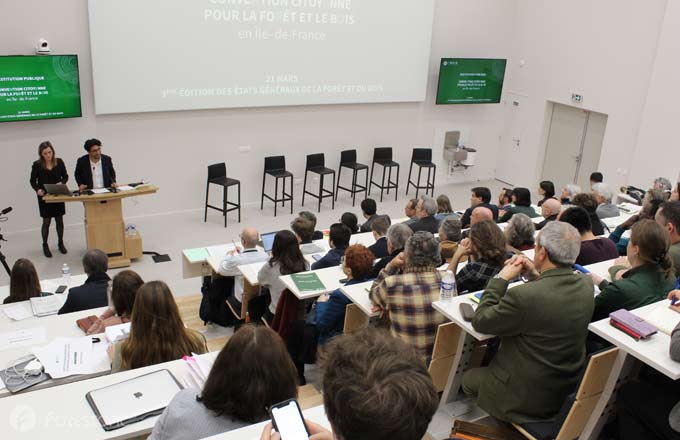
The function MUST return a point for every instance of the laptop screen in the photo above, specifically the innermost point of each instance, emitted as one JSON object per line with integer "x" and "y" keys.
{"x": 268, "y": 241}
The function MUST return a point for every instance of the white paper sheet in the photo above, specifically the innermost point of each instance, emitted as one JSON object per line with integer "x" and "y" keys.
{"x": 220, "y": 250}
{"x": 115, "y": 333}
{"x": 17, "y": 312}
{"x": 67, "y": 356}
{"x": 100, "y": 191}
{"x": 125, "y": 188}
{"x": 22, "y": 338}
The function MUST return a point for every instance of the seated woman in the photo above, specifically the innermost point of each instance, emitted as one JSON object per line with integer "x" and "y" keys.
{"x": 157, "y": 333}
{"x": 23, "y": 282}
{"x": 449, "y": 236}
{"x": 444, "y": 209}
{"x": 121, "y": 299}
{"x": 650, "y": 278}
{"x": 350, "y": 220}
{"x": 520, "y": 232}
{"x": 649, "y": 207}
{"x": 251, "y": 373}
{"x": 593, "y": 249}
{"x": 486, "y": 250}
{"x": 286, "y": 259}
{"x": 546, "y": 189}
{"x": 587, "y": 201}
{"x": 521, "y": 199}
{"x": 330, "y": 309}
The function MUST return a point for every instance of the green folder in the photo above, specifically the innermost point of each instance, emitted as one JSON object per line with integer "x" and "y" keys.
{"x": 197, "y": 254}
{"x": 307, "y": 282}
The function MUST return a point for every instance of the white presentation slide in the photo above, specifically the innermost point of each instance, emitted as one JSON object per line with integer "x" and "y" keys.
{"x": 163, "y": 55}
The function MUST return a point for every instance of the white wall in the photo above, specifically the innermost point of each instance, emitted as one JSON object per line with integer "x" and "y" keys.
{"x": 603, "y": 50}
{"x": 173, "y": 149}
{"x": 657, "y": 152}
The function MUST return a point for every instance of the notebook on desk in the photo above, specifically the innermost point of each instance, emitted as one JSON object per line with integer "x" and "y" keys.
{"x": 133, "y": 400}
{"x": 46, "y": 305}
{"x": 663, "y": 318}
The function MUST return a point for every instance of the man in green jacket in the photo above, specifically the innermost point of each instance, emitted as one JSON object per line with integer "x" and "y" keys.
{"x": 668, "y": 216}
{"x": 542, "y": 325}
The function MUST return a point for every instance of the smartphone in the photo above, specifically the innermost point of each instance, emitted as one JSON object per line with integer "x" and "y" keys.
{"x": 61, "y": 289}
{"x": 343, "y": 281}
{"x": 317, "y": 257}
{"x": 288, "y": 421}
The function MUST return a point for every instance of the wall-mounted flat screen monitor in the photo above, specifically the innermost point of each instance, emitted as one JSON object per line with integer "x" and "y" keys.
{"x": 470, "y": 81}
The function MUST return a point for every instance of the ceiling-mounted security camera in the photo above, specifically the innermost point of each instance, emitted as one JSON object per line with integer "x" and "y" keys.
{"x": 43, "y": 47}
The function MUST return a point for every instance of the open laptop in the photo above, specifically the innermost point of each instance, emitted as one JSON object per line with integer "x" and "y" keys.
{"x": 133, "y": 400}
{"x": 57, "y": 189}
{"x": 268, "y": 241}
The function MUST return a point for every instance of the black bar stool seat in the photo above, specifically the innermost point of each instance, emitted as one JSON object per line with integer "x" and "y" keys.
{"x": 217, "y": 175}
{"x": 383, "y": 156}
{"x": 422, "y": 158}
{"x": 316, "y": 164}
{"x": 348, "y": 159}
{"x": 275, "y": 166}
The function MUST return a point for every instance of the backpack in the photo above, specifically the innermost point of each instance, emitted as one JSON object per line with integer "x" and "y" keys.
{"x": 213, "y": 306}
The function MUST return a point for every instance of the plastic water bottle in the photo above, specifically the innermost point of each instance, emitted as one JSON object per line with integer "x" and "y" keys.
{"x": 447, "y": 287}
{"x": 130, "y": 230}
{"x": 66, "y": 275}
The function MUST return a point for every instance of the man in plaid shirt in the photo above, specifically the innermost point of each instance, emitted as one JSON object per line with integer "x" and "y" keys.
{"x": 405, "y": 290}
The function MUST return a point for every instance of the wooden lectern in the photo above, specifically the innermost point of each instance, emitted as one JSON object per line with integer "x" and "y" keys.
{"x": 104, "y": 224}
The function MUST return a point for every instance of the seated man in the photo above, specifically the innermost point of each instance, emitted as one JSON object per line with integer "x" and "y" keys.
{"x": 550, "y": 209}
{"x": 338, "y": 241}
{"x": 449, "y": 236}
{"x": 664, "y": 185}
{"x": 668, "y": 216}
{"x": 542, "y": 325}
{"x": 410, "y": 212}
{"x": 405, "y": 290}
{"x": 379, "y": 227}
{"x": 479, "y": 214}
{"x": 587, "y": 201}
{"x": 568, "y": 193}
{"x": 304, "y": 231}
{"x": 93, "y": 293}
{"x": 595, "y": 178}
{"x": 397, "y": 235}
{"x": 479, "y": 196}
{"x": 368, "y": 210}
{"x": 247, "y": 254}
{"x": 426, "y": 211}
{"x": 593, "y": 249}
{"x": 605, "y": 207}
{"x": 308, "y": 215}
{"x": 376, "y": 364}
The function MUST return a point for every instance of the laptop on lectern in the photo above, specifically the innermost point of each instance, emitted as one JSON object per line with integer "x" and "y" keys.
{"x": 57, "y": 189}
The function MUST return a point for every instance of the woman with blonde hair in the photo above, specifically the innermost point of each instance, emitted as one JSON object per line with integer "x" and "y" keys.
{"x": 157, "y": 333}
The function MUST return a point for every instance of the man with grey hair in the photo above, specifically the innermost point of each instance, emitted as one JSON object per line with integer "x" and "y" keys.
{"x": 543, "y": 326}
{"x": 550, "y": 209}
{"x": 247, "y": 253}
{"x": 568, "y": 193}
{"x": 93, "y": 293}
{"x": 405, "y": 290}
{"x": 603, "y": 194}
{"x": 664, "y": 185}
{"x": 397, "y": 236}
{"x": 426, "y": 209}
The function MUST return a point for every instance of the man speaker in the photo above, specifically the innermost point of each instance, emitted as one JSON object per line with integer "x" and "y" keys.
{"x": 95, "y": 170}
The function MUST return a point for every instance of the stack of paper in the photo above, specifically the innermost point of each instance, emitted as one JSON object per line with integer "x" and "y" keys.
{"x": 100, "y": 191}
{"x": 46, "y": 305}
{"x": 123, "y": 188}
{"x": 220, "y": 250}
{"x": 67, "y": 356}
{"x": 17, "y": 312}
{"x": 116, "y": 333}
{"x": 663, "y": 318}
{"x": 198, "y": 369}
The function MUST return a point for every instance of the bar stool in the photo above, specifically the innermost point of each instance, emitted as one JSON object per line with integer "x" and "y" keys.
{"x": 217, "y": 175}
{"x": 348, "y": 159}
{"x": 383, "y": 157}
{"x": 422, "y": 157}
{"x": 275, "y": 166}
{"x": 316, "y": 164}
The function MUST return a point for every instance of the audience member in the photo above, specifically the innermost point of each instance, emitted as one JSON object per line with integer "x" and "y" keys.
{"x": 338, "y": 240}
{"x": 520, "y": 232}
{"x": 479, "y": 214}
{"x": 308, "y": 215}
{"x": 675, "y": 194}
{"x": 426, "y": 210}
{"x": 121, "y": 301}
{"x": 486, "y": 252}
{"x": 286, "y": 259}
{"x": 596, "y": 177}
{"x": 391, "y": 396}
{"x": 23, "y": 282}
{"x": 405, "y": 290}
{"x": 410, "y": 212}
{"x": 397, "y": 236}
{"x": 568, "y": 193}
{"x": 350, "y": 220}
{"x": 521, "y": 198}
{"x": 649, "y": 208}
{"x": 603, "y": 195}
{"x": 668, "y": 216}
{"x": 303, "y": 230}
{"x": 157, "y": 333}
{"x": 379, "y": 227}
{"x": 236, "y": 394}
{"x": 593, "y": 249}
{"x": 546, "y": 189}
{"x": 330, "y": 309}
{"x": 504, "y": 201}
{"x": 550, "y": 209}
{"x": 542, "y": 325}
{"x": 92, "y": 294}
{"x": 479, "y": 196}
{"x": 587, "y": 201}
{"x": 368, "y": 210}
{"x": 663, "y": 184}
{"x": 650, "y": 278}
{"x": 247, "y": 254}
{"x": 444, "y": 209}
{"x": 449, "y": 236}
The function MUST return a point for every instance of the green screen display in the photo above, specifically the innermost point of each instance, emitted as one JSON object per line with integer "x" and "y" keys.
{"x": 39, "y": 87}
{"x": 470, "y": 81}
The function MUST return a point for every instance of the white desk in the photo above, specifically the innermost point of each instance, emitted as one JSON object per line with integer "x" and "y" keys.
{"x": 601, "y": 269}
{"x": 365, "y": 238}
{"x": 330, "y": 277}
{"x": 358, "y": 294}
{"x": 194, "y": 260}
{"x": 253, "y": 432}
{"x": 250, "y": 272}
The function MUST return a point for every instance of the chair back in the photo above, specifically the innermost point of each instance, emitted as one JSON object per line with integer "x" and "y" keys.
{"x": 315, "y": 161}
{"x": 382, "y": 154}
{"x": 274, "y": 163}
{"x": 348, "y": 156}
{"x": 443, "y": 354}
{"x": 422, "y": 155}
{"x": 216, "y": 171}
{"x": 355, "y": 319}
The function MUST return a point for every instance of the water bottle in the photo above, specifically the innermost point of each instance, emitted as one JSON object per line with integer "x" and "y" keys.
{"x": 65, "y": 275}
{"x": 447, "y": 287}
{"x": 130, "y": 230}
